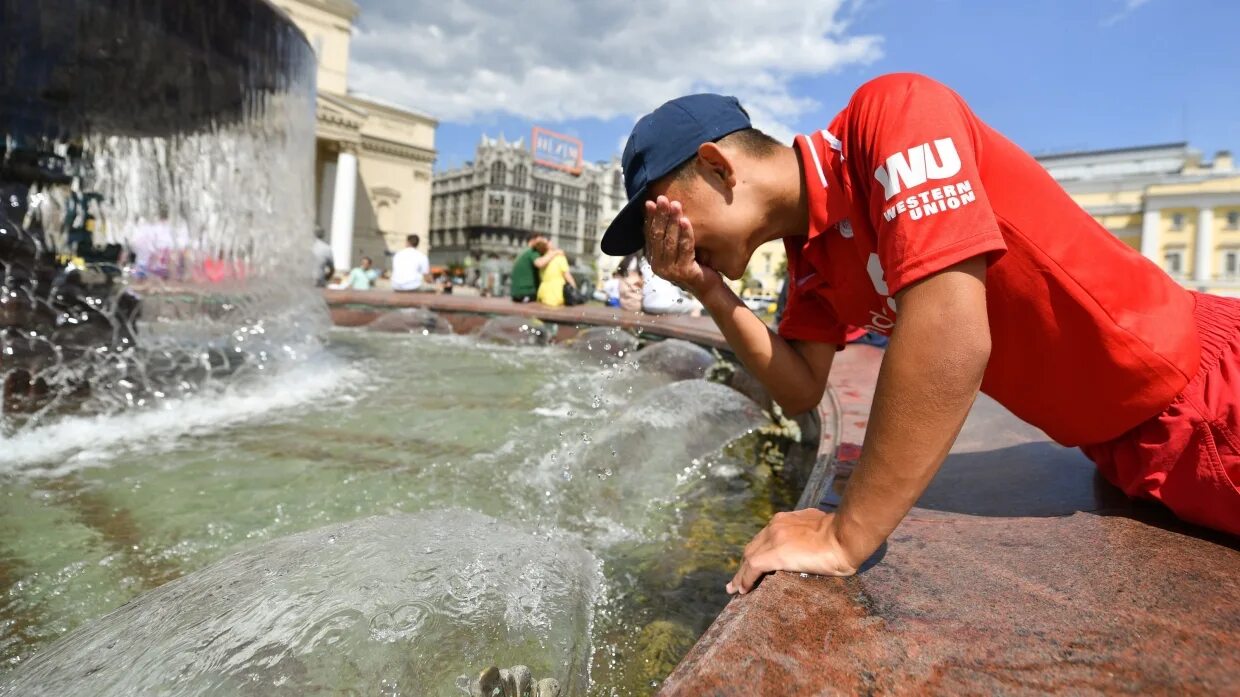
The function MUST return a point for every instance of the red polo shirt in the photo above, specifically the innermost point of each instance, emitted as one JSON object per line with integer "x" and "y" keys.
{"x": 1088, "y": 338}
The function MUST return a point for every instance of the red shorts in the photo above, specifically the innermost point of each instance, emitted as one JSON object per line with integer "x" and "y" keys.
{"x": 1188, "y": 457}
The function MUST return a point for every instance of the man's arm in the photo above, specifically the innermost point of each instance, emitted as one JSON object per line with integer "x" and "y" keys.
{"x": 928, "y": 381}
{"x": 541, "y": 262}
{"x": 794, "y": 374}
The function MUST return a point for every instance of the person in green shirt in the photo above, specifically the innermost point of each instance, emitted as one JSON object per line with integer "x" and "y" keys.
{"x": 525, "y": 271}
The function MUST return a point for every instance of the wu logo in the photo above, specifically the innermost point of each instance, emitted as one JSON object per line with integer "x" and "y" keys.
{"x": 912, "y": 169}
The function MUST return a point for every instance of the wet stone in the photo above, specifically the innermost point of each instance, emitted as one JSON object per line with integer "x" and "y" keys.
{"x": 679, "y": 359}
{"x": 417, "y": 320}
{"x": 514, "y": 331}
{"x": 609, "y": 344}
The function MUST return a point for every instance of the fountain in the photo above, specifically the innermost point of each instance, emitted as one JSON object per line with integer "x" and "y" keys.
{"x": 149, "y": 225}
{"x": 208, "y": 492}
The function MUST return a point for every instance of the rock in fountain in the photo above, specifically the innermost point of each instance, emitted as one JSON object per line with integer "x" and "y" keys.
{"x": 679, "y": 359}
{"x": 399, "y": 603}
{"x": 514, "y": 331}
{"x": 417, "y": 320}
{"x": 609, "y": 344}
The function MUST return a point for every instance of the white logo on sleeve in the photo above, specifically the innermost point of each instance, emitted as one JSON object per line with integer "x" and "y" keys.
{"x": 918, "y": 165}
{"x": 881, "y": 321}
{"x": 908, "y": 170}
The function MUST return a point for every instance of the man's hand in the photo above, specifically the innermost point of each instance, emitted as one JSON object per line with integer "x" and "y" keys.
{"x": 803, "y": 541}
{"x": 669, "y": 248}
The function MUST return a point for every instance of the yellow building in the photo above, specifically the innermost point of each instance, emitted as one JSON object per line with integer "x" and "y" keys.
{"x": 373, "y": 161}
{"x": 1180, "y": 212}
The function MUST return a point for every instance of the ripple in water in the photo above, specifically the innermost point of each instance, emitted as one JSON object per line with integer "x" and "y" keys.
{"x": 405, "y": 603}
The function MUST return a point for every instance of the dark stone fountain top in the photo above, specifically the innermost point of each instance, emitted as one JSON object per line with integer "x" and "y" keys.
{"x": 141, "y": 67}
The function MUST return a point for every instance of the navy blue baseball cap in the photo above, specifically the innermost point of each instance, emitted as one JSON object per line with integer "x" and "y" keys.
{"x": 660, "y": 142}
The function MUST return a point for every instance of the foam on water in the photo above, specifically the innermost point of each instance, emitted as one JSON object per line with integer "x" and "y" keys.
{"x": 76, "y": 442}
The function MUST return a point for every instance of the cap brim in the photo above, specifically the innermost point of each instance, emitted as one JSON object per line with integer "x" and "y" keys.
{"x": 625, "y": 235}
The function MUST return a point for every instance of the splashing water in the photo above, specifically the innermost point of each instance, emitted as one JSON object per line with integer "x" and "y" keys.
{"x": 407, "y": 602}
{"x": 154, "y": 231}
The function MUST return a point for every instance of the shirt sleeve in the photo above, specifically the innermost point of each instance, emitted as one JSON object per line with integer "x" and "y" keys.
{"x": 916, "y": 144}
{"x": 808, "y": 315}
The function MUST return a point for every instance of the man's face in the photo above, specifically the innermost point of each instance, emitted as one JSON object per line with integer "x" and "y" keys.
{"x": 728, "y": 219}
{"x": 366, "y": 264}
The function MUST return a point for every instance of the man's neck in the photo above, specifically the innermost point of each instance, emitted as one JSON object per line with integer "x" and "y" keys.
{"x": 790, "y": 205}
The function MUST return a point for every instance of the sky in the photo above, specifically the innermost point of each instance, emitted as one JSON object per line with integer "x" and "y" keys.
{"x": 1052, "y": 75}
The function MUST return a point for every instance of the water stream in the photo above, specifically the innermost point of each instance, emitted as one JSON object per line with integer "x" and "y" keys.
{"x": 616, "y": 490}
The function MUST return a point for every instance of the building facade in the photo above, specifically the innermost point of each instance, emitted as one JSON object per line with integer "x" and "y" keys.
{"x": 491, "y": 204}
{"x": 373, "y": 161}
{"x": 1180, "y": 212}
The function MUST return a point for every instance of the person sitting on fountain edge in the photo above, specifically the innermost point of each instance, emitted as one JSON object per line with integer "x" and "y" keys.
{"x": 910, "y": 217}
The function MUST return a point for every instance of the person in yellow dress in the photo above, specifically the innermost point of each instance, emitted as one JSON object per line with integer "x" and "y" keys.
{"x": 554, "y": 275}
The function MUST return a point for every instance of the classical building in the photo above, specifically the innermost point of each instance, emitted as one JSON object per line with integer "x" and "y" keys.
{"x": 373, "y": 162}
{"x": 492, "y": 203}
{"x": 1180, "y": 212}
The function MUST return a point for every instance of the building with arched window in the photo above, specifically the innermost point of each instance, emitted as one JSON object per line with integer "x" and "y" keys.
{"x": 373, "y": 160}
{"x": 490, "y": 205}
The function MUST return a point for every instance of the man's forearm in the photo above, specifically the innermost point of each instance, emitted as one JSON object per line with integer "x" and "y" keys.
{"x": 929, "y": 379}
{"x": 772, "y": 360}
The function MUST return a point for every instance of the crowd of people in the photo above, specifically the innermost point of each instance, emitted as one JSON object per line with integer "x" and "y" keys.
{"x": 541, "y": 273}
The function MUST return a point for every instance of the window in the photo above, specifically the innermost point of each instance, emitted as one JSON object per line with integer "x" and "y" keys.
{"x": 592, "y": 194}
{"x": 1233, "y": 220}
{"x": 568, "y": 208}
{"x": 518, "y": 176}
{"x": 517, "y": 202}
{"x": 543, "y": 187}
{"x": 496, "y": 199}
{"x": 570, "y": 193}
{"x": 495, "y": 216}
{"x": 498, "y": 173}
{"x": 567, "y": 226}
{"x": 1231, "y": 264}
{"x": 1177, "y": 221}
{"x": 1173, "y": 262}
{"x": 518, "y": 219}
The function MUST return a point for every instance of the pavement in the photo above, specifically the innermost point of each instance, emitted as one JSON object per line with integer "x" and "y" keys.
{"x": 1019, "y": 572}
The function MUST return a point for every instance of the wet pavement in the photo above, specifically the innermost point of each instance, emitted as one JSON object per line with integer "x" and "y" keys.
{"x": 1020, "y": 571}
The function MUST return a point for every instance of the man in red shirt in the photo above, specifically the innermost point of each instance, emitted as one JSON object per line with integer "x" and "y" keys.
{"x": 910, "y": 217}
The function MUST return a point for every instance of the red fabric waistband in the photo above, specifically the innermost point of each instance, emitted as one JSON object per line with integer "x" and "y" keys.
{"x": 1218, "y": 325}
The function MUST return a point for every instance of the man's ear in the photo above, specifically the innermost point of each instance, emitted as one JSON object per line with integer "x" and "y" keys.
{"x": 716, "y": 165}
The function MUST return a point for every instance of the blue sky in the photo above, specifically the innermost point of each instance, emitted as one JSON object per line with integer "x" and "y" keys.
{"x": 1053, "y": 76}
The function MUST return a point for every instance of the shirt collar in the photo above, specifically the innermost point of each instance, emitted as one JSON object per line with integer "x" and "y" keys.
{"x": 821, "y": 157}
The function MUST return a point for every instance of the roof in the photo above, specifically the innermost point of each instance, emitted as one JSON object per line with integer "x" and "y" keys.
{"x": 1131, "y": 150}
{"x": 367, "y": 100}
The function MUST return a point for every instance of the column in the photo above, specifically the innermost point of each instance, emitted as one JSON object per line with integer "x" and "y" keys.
{"x": 1149, "y": 235}
{"x": 1203, "y": 263}
{"x": 343, "y": 199}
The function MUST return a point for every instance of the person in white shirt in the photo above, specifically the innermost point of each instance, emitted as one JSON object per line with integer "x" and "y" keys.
{"x": 611, "y": 289}
{"x": 660, "y": 297}
{"x": 411, "y": 270}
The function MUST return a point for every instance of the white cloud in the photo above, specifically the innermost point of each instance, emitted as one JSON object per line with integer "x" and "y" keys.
{"x": 551, "y": 60}
{"x": 1129, "y": 6}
